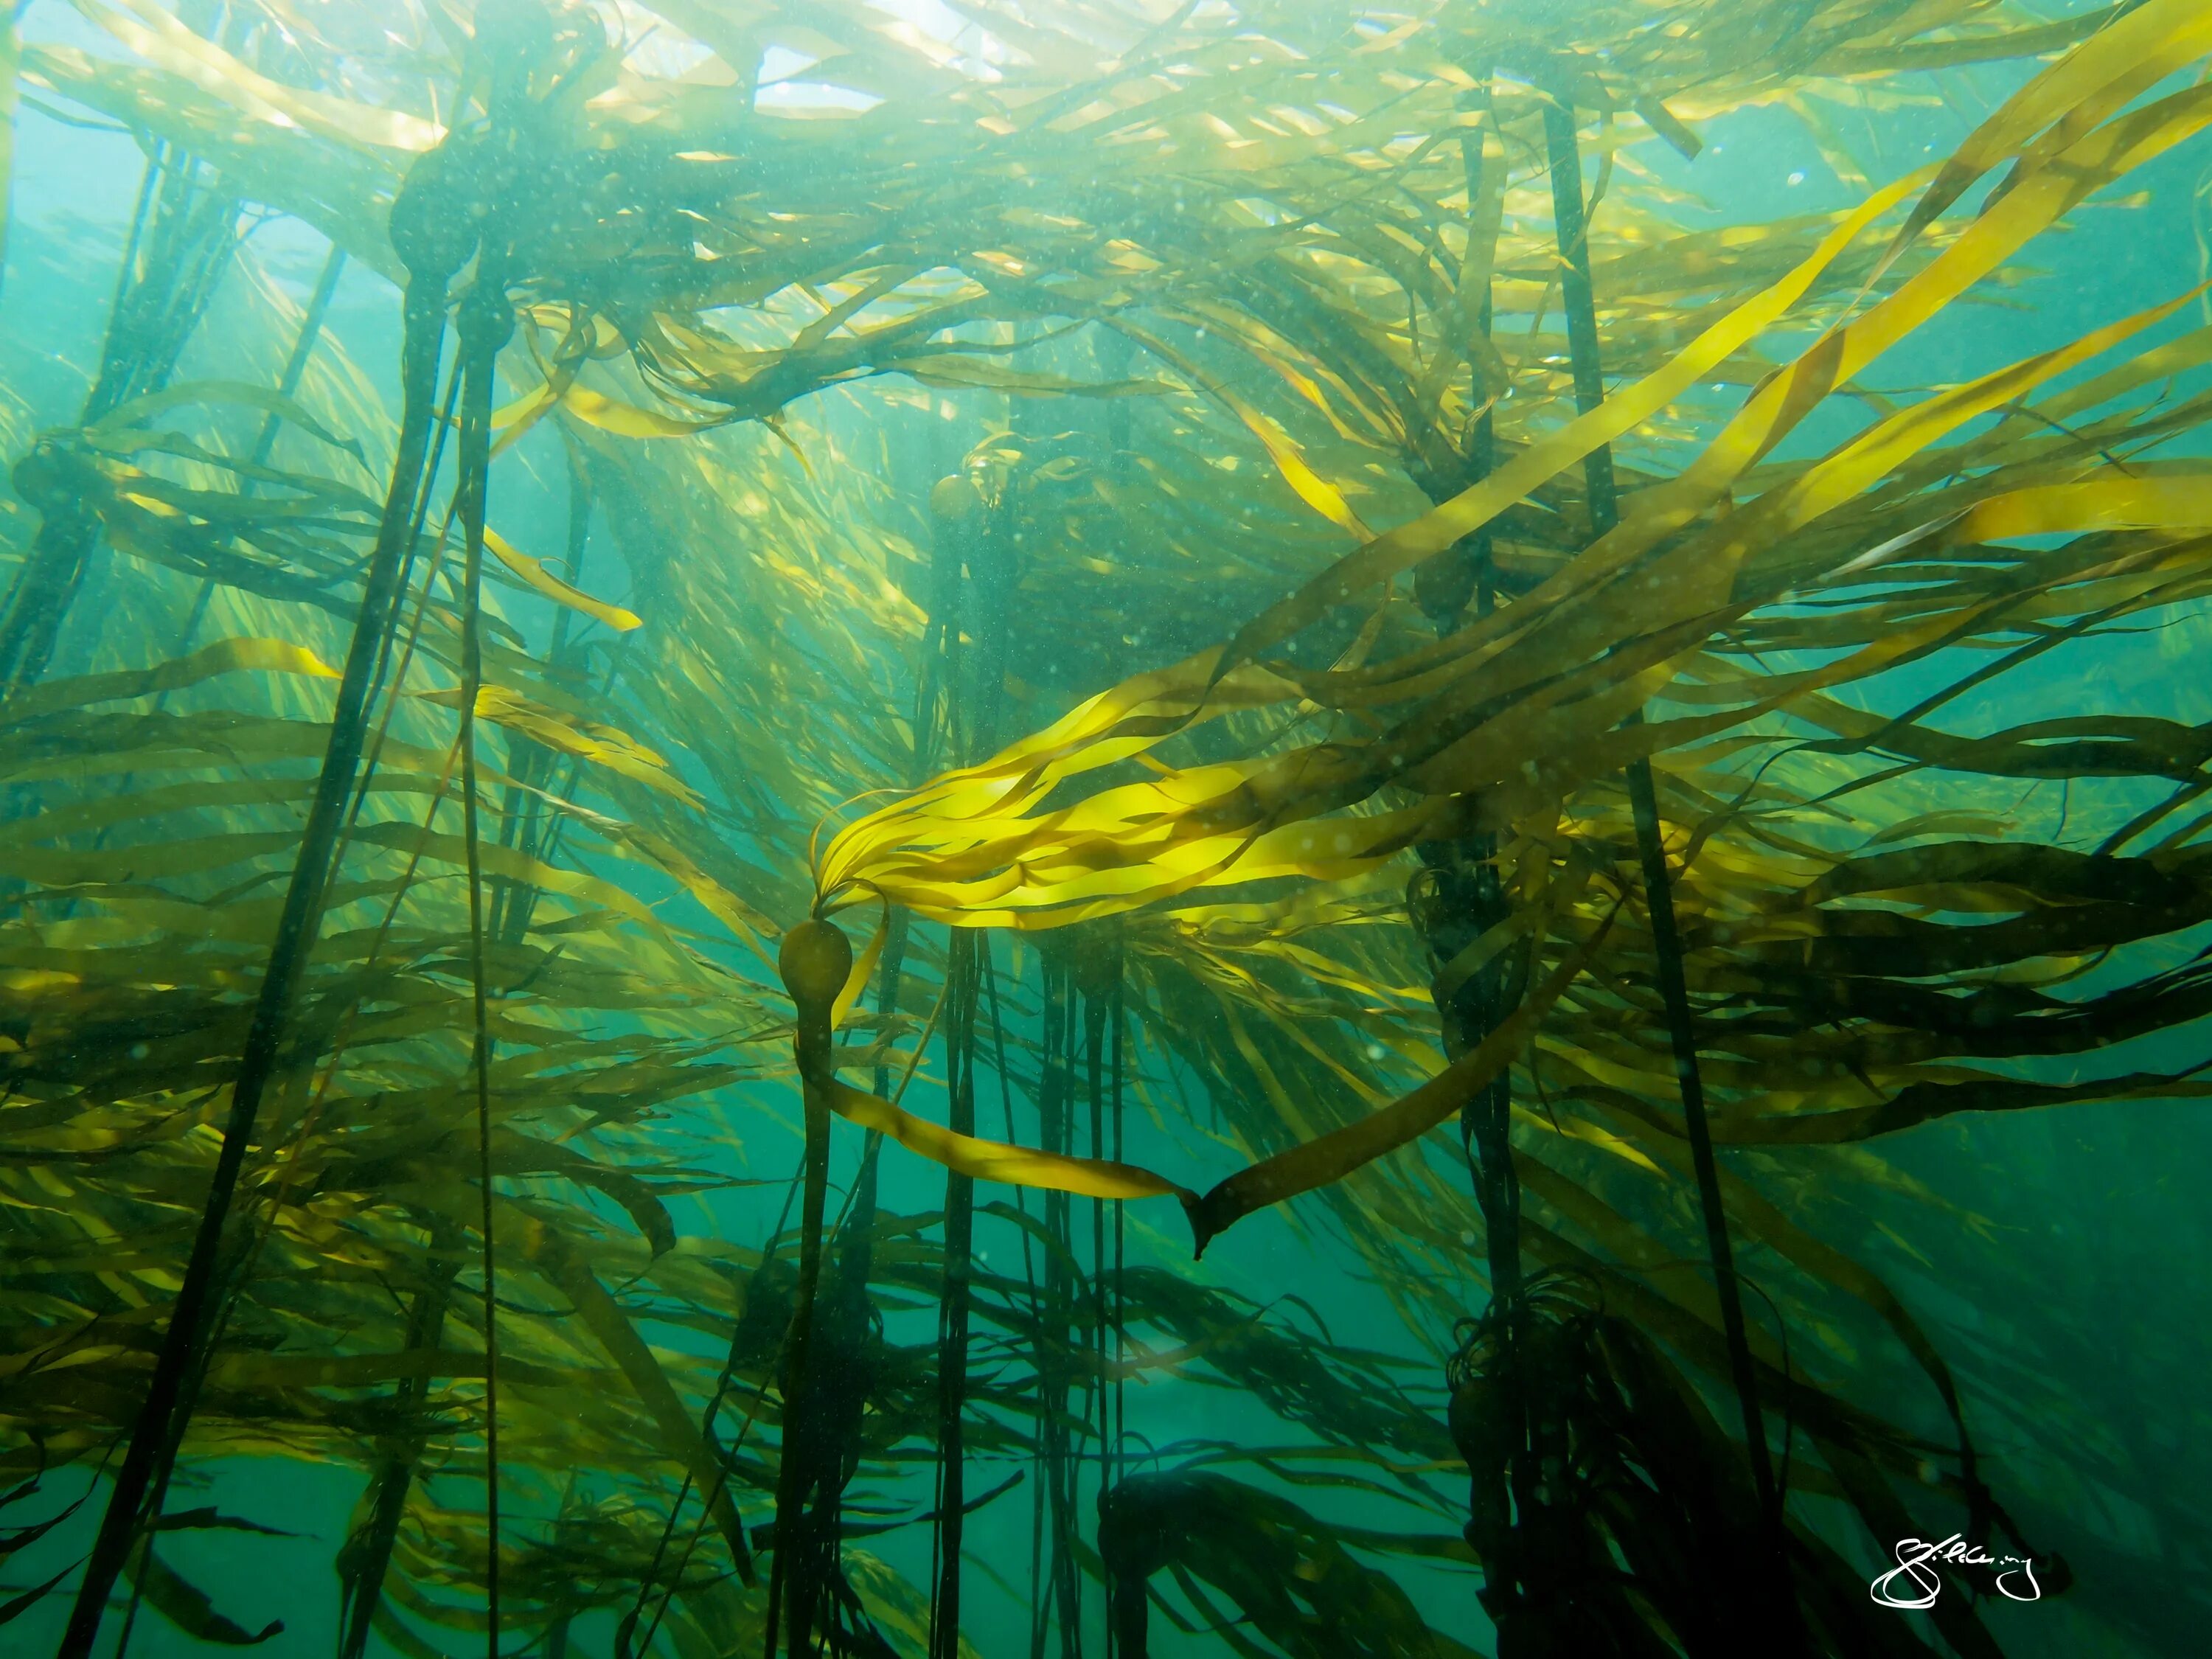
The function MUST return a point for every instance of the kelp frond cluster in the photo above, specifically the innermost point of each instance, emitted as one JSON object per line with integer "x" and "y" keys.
{"x": 1254, "y": 605}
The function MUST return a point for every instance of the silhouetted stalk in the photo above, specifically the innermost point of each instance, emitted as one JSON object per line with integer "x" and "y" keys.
{"x": 186, "y": 231}
{"x": 231, "y": 1282}
{"x": 486, "y": 322}
{"x": 1120, "y": 1018}
{"x": 1099, "y": 977}
{"x": 954, "y": 1307}
{"x": 410, "y": 1390}
{"x": 1059, "y": 1317}
{"x": 154, "y": 1434}
{"x": 836, "y": 1399}
{"x": 1457, "y": 897}
{"x": 626, "y": 1640}
{"x": 230, "y": 1274}
{"x": 1044, "y": 1577}
{"x": 363, "y": 1567}
{"x": 816, "y": 960}
{"x": 1580, "y": 307}
{"x": 954, "y": 711}
{"x": 1117, "y": 1426}
{"x": 1096, "y": 1002}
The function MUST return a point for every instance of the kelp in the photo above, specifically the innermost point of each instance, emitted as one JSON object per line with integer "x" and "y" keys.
{"x": 1230, "y": 293}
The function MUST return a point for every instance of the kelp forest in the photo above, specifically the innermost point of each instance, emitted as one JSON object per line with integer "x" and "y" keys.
{"x": 987, "y": 829}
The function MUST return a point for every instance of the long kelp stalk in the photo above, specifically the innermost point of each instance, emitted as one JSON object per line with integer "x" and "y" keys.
{"x": 961, "y": 699}
{"x": 486, "y": 323}
{"x": 366, "y": 1557}
{"x": 1579, "y": 301}
{"x": 1098, "y": 976}
{"x": 827, "y": 1438}
{"x": 433, "y": 247}
{"x": 1457, "y": 898}
{"x": 1059, "y": 1316}
{"x": 815, "y": 961}
{"x": 962, "y": 970}
{"x": 1114, "y": 1416}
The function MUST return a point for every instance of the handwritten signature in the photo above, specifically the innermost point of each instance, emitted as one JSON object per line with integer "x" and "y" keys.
{"x": 1917, "y": 1561}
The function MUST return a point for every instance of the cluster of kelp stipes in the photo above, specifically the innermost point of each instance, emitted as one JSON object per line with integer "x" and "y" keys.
{"x": 379, "y": 967}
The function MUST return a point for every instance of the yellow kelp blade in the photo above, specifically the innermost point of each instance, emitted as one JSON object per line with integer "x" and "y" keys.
{"x": 2182, "y": 502}
{"x": 515, "y": 421}
{"x": 1434, "y": 531}
{"x": 628, "y": 420}
{"x": 2101, "y": 74}
{"x": 223, "y": 657}
{"x": 161, "y": 38}
{"x": 1333, "y": 1156}
{"x": 589, "y": 740}
{"x": 2169, "y": 502}
{"x": 1781, "y": 401}
{"x": 994, "y": 1160}
{"x": 533, "y": 571}
{"x": 864, "y": 968}
{"x": 1315, "y": 491}
{"x": 981, "y": 806}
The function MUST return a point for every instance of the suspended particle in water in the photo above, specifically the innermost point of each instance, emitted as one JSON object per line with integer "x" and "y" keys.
{"x": 1798, "y": 177}
{"x": 1466, "y": 1236}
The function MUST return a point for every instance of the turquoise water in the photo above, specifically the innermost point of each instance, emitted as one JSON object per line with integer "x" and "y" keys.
{"x": 851, "y": 391}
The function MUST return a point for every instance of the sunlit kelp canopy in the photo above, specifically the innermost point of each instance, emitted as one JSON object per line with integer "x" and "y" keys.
{"x": 1253, "y": 606}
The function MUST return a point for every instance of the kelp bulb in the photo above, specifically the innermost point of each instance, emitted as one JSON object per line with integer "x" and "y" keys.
{"x": 816, "y": 960}
{"x": 954, "y": 497}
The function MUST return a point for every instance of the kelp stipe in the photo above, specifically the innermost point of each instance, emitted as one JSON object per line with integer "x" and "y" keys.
{"x": 152, "y": 1438}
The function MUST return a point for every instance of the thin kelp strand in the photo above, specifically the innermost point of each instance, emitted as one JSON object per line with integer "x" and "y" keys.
{"x": 649, "y": 1581}
{"x": 390, "y": 675}
{"x": 954, "y": 1306}
{"x": 486, "y": 320}
{"x": 1658, "y": 890}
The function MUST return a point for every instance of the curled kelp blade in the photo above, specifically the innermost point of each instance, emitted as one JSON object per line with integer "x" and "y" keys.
{"x": 1021, "y": 863}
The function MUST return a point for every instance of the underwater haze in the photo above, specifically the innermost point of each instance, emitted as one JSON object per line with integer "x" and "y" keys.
{"x": 1106, "y": 828}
